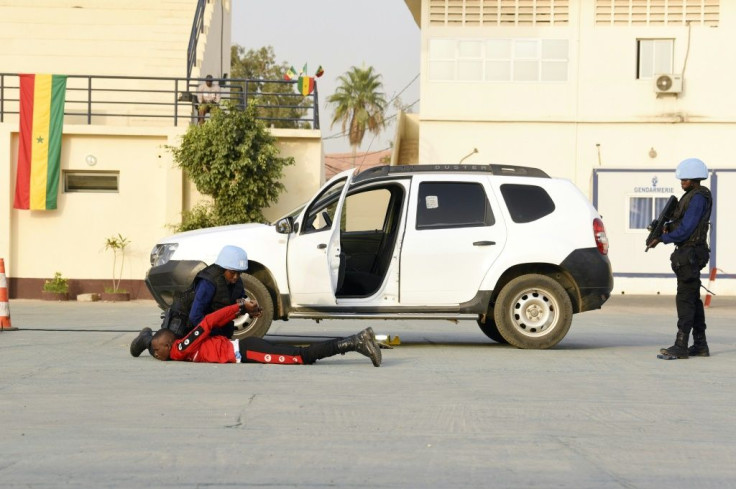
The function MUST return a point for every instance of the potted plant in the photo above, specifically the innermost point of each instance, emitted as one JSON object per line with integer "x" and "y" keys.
{"x": 117, "y": 244}
{"x": 56, "y": 289}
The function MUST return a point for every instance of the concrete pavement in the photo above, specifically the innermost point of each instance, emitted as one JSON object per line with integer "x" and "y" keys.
{"x": 448, "y": 408}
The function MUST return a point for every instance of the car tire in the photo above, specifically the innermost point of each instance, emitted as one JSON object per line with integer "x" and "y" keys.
{"x": 490, "y": 329}
{"x": 245, "y": 326}
{"x": 533, "y": 311}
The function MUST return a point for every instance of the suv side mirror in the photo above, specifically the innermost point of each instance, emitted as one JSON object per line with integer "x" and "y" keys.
{"x": 285, "y": 225}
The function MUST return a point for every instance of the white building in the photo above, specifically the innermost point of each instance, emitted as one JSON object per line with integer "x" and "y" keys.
{"x": 611, "y": 94}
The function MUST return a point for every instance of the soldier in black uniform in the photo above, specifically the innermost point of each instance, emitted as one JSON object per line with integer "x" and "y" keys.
{"x": 688, "y": 230}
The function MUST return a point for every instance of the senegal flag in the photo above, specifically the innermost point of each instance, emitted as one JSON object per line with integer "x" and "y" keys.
{"x": 290, "y": 74}
{"x": 39, "y": 150}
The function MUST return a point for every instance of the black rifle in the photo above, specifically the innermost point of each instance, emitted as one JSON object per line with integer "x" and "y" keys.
{"x": 656, "y": 228}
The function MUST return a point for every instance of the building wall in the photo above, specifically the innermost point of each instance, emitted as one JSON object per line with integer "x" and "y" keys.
{"x": 131, "y": 38}
{"x": 601, "y": 116}
{"x": 152, "y": 194}
{"x": 71, "y": 239}
{"x": 114, "y": 37}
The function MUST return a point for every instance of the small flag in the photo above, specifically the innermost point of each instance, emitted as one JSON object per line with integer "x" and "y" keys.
{"x": 319, "y": 72}
{"x": 305, "y": 85}
{"x": 290, "y": 74}
{"x": 304, "y": 70}
{"x": 42, "y": 100}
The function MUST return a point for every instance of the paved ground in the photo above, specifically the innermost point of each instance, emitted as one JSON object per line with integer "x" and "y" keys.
{"x": 448, "y": 408}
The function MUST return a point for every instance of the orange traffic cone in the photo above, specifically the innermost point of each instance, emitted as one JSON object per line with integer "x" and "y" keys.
{"x": 4, "y": 304}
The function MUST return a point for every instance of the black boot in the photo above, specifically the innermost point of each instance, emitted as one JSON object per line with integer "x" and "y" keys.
{"x": 364, "y": 343}
{"x": 700, "y": 346}
{"x": 141, "y": 342}
{"x": 676, "y": 351}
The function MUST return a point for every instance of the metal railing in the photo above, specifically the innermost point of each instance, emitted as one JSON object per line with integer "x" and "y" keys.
{"x": 197, "y": 28}
{"x": 126, "y": 100}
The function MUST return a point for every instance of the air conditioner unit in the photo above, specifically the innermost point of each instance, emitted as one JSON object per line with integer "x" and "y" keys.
{"x": 667, "y": 83}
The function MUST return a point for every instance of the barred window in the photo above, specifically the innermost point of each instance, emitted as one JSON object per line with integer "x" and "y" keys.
{"x": 657, "y": 12}
{"x": 498, "y": 12}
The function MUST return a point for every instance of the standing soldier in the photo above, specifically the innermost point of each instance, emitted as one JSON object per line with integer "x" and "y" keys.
{"x": 688, "y": 230}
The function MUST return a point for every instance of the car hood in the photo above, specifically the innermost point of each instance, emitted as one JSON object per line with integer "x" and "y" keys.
{"x": 260, "y": 241}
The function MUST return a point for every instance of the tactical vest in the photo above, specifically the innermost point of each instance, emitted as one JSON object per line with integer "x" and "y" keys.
{"x": 700, "y": 235}
{"x": 176, "y": 317}
{"x": 225, "y": 294}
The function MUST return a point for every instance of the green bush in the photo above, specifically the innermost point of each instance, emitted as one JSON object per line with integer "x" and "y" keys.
{"x": 57, "y": 285}
{"x": 232, "y": 158}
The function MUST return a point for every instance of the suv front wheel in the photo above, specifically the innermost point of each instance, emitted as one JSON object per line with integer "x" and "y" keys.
{"x": 246, "y": 326}
{"x": 533, "y": 311}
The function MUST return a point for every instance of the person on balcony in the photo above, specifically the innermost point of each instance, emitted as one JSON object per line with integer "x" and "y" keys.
{"x": 208, "y": 96}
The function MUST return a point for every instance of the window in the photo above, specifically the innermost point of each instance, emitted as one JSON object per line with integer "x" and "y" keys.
{"x": 654, "y": 57}
{"x": 657, "y": 12}
{"x": 366, "y": 211}
{"x": 452, "y": 205}
{"x": 527, "y": 203}
{"x": 470, "y": 60}
{"x": 498, "y": 60}
{"x": 321, "y": 212}
{"x": 643, "y": 210}
{"x": 491, "y": 13}
{"x": 441, "y": 59}
{"x": 90, "y": 181}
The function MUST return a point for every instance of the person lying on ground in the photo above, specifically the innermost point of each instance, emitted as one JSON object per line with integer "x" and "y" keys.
{"x": 200, "y": 346}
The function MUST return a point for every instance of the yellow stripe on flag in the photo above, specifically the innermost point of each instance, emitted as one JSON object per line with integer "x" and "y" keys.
{"x": 40, "y": 141}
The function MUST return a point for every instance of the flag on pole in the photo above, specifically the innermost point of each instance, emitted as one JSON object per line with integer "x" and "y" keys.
{"x": 290, "y": 74}
{"x": 304, "y": 70}
{"x": 39, "y": 151}
{"x": 319, "y": 72}
{"x": 305, "y": 85}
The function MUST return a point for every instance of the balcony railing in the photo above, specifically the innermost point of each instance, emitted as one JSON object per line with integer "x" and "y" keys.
{"x": 132, "y": 101}
{"x": 197, "y": 28}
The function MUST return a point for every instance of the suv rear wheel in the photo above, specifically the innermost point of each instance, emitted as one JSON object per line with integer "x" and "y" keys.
{"x": 533, "y": 311}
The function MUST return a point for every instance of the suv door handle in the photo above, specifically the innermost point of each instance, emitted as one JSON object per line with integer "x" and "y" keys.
{"x": 321, "y": 246}
{"x": 484, "y": 243}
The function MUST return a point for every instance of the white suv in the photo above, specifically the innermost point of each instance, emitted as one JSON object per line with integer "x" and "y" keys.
{"x": 509, "y": 247}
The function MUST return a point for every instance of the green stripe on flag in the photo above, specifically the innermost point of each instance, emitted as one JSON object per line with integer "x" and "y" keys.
{"x": 56, "y": 124}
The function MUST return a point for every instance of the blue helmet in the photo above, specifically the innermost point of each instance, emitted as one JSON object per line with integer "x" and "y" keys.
{"x": 691, "y": 169}
{"x": 232, "y": 258}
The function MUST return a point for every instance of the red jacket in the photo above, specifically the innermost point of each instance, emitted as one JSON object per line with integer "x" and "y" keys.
{"x": 199, "y": 346}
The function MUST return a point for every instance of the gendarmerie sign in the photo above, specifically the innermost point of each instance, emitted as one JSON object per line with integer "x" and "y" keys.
{"x": 654, "y": 189}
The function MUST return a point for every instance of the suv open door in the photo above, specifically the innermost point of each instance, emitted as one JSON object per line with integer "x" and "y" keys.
{"x": 314, "y": 254}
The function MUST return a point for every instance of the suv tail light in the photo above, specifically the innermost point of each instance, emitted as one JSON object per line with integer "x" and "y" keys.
{"x": 599, "y": 232}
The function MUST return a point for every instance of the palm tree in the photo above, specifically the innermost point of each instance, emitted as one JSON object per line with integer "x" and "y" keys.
{"x": 359, "y": 104}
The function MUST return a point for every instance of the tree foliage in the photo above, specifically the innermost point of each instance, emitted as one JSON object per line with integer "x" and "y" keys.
{"x": 234, "y": 159}
{"x": 359, "y": 104}
{"x": 278, "y": 100}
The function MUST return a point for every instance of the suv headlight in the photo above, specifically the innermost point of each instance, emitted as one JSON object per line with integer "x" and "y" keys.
{"x": 161, "y": 253}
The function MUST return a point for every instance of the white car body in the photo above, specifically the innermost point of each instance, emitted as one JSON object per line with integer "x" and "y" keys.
{"x": 404, "y": 268}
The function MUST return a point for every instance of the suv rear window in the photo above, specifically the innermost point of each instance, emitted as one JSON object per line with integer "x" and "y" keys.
{"x": 527, "y": 203}
{"x": 452, "y": 205}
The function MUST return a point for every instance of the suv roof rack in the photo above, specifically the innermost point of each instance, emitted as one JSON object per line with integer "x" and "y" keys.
{"x": 506, "y": 170}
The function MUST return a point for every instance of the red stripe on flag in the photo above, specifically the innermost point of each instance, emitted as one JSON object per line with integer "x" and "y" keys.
{"x": 23, "y": 175}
